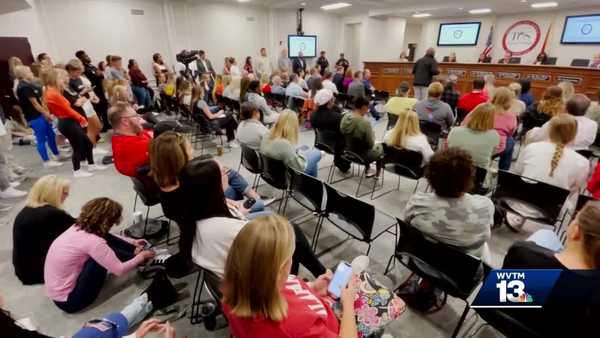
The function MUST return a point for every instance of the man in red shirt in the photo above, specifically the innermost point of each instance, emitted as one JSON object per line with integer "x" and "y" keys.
{"x": 130, "y": 141}
{"x": 469, "y": 101}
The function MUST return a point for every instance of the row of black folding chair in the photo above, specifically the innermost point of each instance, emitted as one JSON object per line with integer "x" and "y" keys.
{"x": 403, "y": 163}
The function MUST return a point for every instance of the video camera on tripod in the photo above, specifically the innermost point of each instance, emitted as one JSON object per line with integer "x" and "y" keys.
{"x": 186, "y": 57}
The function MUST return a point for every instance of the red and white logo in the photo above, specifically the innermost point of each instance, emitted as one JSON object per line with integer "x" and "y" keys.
{"x": 521, "y": 37}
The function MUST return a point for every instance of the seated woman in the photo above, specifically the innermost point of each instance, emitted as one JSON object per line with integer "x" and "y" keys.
{"x": 357, "y": 129}
{"x": 79, "y": 259}
{"x": 578, "y": 256}
{"x": 38, "y": 225}
{"x": 539, "y": 113}
{"x": 232, "y": 90}
{"x": 291, "y": 307}
{"x": 254, "y": 96}
{"x": 477, "y": 136}
{"x": 217, "y": 119}
{"x": 407, "y": 135}
{"x": 251, "y": 131}
{"x": 450, "y": 214}
{"x": 192, "y": 194}
{"x": 280, "y": 144}
{"x": 551, "y": 161}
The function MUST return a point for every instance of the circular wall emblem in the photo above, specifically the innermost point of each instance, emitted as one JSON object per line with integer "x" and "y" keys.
{"x": 521, "y": 37}
{"x": 586, "y": 29}
{"x": 458, "y": 34}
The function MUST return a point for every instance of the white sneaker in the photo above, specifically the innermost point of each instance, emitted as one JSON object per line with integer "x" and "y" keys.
{"x": 371, "y": 172}
{"x": 52, "y": 163}
{"x": 15, "y": 184}
{"x": 11, "y": 192}
{"x": 96, "y": 167}
{"x": 99, "y": 151}
{"x": 82, "y": 174}
{"x": 233, "y": 144}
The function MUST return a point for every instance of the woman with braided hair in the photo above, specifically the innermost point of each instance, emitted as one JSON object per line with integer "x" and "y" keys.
{"x": 552, "y": 161}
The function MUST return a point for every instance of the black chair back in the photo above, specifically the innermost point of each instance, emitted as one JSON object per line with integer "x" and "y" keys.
{"x": 146, "y": 189}
{"x": 311, "y": 188}
{"x": 343, "y": 100}
{"x": 514, "y": 61}
{"x": 446, "y": 59}
{"x": 432, "y": 130}
{"x": 355, "y": 150}
{"x": 580, "y": 62}
{"x": 479, "y": 179}
{"x": 355, "y": 212}
{"x": 251, "y": 160}
{"x": 551, "y": 61}
{"x": 274, "y": 173}
{"x": 392, "y": 119}
{"x": 278, "y": 99}
{"x": 381, "y": 95}
{"x": 403, "y": 162}
{"x": 585, "y": 153}
{"x": 295, "y": 104}
{"x": 547, "y": 198}
{"x": 445, "y": 266}
{"x": 203, "y": 122}
{"x": 326, "y": 140}
{"x": 582, "y": 200}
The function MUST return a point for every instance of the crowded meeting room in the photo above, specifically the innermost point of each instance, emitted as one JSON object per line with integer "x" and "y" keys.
{"x": 299, "y": 168}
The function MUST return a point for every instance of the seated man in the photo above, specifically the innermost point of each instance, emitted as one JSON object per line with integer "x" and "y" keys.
{"x": 468, "y": 101}
{"x": 356, "y": 129}
{"x": 130, "y": 140}
{"x": 294, "y": 89}
{"x": 432, "y": 109}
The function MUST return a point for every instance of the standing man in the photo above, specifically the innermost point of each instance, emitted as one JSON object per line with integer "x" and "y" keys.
{"x": 424, "y": 70}
{"x": 299, "y": 64}
{"x": 283, "y": 62}
{"x": 323, "y": 62}
{"x": 369, "y": 88}
{"x": 91, "y": 73}
{"x": 342, "y": 62}
{"x": 263, "y": 65}
{"x": 204, "y": 65}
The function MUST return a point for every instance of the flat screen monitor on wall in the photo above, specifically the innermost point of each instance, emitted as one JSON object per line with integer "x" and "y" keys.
{"x": 459, "y": 34}
{"x": 581, "y": 29}
{"x": 307, "y": 44}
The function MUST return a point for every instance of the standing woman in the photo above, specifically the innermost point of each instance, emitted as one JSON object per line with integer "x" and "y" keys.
{"x": 70, "y": 123}
{"x": 248, "y": 65}
{"x": 227, "y": 66}
{"x": 80, "y": 258}
{"x": 37, "y": 225}
{"x": 505, "y": 123}
{"x": 81, "y": 96}
{"x": 139, "y": 84}
{"x": 159, "y": 67}
{"x": 37, "y": 115}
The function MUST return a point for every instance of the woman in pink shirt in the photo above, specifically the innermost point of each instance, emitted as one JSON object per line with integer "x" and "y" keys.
{"x": 79, "y": 259}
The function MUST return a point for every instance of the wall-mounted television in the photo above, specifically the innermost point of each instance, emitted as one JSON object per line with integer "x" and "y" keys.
{"x": 458, "y": 34}
{"x": 581, "y": 29}
{"x": 307, "y": 44}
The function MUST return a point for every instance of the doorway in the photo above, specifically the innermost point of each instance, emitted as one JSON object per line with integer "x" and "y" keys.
{"x": 352, "y": 44}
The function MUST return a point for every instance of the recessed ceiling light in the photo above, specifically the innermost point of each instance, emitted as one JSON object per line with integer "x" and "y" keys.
{"x": 421, "y": 15}
{"x": 544, "y": 4}
{"x": 480, "y": 11}
{"x": 523, "y": 0}
{"x": 336, "y": 5}
{"x": 303, "y": 4}
{"x": 243, "y": 0}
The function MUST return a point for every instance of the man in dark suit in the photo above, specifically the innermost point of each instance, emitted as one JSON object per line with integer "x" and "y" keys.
{"x": 299, "y": 63}
{"x": 424, "y": 70}
{"x": 323, "y": 62}
{"x": 204, "y": 65}
{"x": 342, "y": 62}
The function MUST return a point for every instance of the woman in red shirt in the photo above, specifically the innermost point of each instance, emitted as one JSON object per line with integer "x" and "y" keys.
{"x": 70, "y": 123}
{"x": 261, "y": 257}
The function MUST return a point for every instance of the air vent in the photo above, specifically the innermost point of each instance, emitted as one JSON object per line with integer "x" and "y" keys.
{"x": 137, "y": 12}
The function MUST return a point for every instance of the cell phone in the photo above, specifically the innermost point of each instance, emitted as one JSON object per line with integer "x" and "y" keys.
{"x": 249, "y": 203}
{"x": 147, "y": 246}
{"x": 340, "y": 279}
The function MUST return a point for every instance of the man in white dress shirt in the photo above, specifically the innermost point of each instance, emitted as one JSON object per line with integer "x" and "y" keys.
{"x": 264, "y": 64}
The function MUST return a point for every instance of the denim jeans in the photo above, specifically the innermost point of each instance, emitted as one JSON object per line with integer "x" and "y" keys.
{"x": 238, "y": 188}
{"x": 506, "y": 156}
{"x": 43, "y": 134}
{"x": 312, "y": 156}
{"x": 547, "y": 239}
{"x": 142, "y": 96}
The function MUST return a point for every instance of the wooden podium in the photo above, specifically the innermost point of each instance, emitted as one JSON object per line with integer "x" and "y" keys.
{"x": 388, "y": 75}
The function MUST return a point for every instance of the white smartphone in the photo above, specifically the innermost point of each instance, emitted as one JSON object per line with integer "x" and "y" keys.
{"x": 340, "y": 279}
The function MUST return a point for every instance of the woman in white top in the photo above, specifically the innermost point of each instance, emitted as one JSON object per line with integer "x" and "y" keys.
{"x": 407, "y": 135}
{"x": 234, "y": 70}
{"x": 551, "y": 161}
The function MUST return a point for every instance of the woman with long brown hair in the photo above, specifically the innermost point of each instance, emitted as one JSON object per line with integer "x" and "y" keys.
{"x": 216, "y": 118}
{"x": 539, "y": 113}
{"x": 552, "y": 161}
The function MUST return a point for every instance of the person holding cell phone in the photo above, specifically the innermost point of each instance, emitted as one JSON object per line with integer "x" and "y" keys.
{"x": 293, "y": 308}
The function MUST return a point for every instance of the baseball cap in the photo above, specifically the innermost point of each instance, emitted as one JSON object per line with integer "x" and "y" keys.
{"x": 323, "y": 96}
{"x": 113, "y": 325}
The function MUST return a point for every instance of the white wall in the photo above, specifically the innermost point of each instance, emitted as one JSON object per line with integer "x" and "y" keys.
{"x": 565, "y": 53}
{"x": 25, "y": 23}
{"x": 411, "y": 35}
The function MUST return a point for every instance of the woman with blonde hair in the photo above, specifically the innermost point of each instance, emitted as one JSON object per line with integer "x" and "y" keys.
{"x": 505, "y": 123}
{"x": 218, "y": 87}
{"x": 406, "y": 134}
{"x": 568, "y": 90}
{"x": 490, "y": 85}
{"x": 552, "y": 161}
{"x": 232, "y": 90}
{"x": 477, "y": 136}
{"x": 37, "y": 225}
{"x": 539, "y": 113}
{"x": 280, "y": 144}
{"x": 70, "y": 123}
{"x": 288, "y": 307}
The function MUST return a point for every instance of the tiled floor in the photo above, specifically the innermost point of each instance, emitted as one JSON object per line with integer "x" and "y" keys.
{"x": 30, "y": 301}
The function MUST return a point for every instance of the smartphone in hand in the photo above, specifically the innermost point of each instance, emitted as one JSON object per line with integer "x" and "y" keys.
{"x": 341, "y": 278}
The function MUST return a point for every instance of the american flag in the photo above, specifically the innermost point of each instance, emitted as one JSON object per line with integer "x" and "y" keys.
{"x": 488, "y": 44}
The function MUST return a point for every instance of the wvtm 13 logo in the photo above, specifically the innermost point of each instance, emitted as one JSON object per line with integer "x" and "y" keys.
{"x": 516, "y": 288}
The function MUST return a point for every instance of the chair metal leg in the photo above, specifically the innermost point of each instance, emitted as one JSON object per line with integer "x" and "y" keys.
{"x": 195, "y": 317}
{"x": 315, "y": 239}
{"x": 368, "y": 249}
{"x": 135, "y": 201}
{"x": 387, "y": 267}
{"x": 461, "y": 320}
{"x": 146, "y": 221}
{"x": 362, "y": 175}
